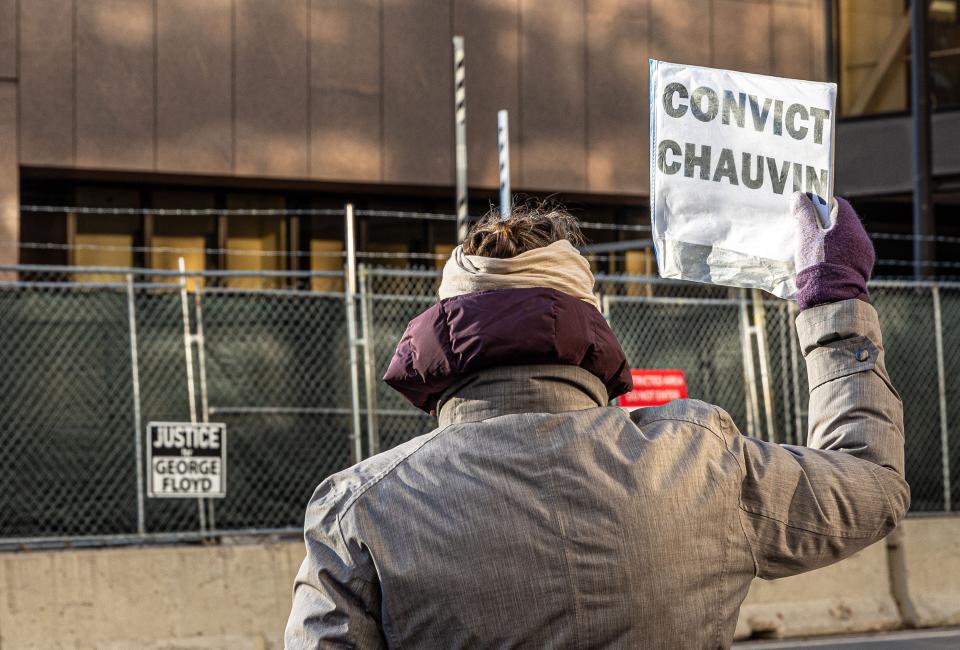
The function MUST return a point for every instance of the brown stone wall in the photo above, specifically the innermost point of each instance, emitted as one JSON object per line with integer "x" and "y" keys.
{"x": 9, "y": 144}
{"x": 9, "y": 176}
{"x": 360, "y": 90}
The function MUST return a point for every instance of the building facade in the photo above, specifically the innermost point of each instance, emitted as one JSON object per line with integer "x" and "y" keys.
{"x": 285, "y": 104}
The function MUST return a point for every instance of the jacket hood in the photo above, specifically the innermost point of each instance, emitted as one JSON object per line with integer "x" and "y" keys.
{"x": 503, "y": 327}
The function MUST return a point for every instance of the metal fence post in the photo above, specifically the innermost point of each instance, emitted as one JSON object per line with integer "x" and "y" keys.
{"x": 350, "y": 296}
{"x": 942, "y": 390}
{"x": 137, "y": 425}
{"x": 188, "y": 355}
{"x": 604, "y": 298}
{"x": 369, "y": 363}
{"x": 788, "y": 434}
{"x": 749, "y": 373}
{"x": 760, "y": 331}
{"x": 795, "y": 374}
{"x": 204, "y": 401}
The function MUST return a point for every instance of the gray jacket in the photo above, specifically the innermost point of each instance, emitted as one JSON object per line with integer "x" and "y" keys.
{"x": 537, "y": 516}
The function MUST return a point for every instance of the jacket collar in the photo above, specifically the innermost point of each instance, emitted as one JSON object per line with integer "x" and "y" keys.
{"x": 507, "y": 390}
{"x": 461, "y": 336}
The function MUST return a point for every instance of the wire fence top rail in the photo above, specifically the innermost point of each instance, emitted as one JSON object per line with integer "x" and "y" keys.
{"x": 116, "y": 270}
{"x": 603, "y": 280}
{"x": 184, "y": 212}
{"x": 301, "y": 212}
{"x": 386, "y": 214}
{"x": 604, "y": 253}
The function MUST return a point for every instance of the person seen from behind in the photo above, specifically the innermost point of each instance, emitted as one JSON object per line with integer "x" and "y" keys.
{"x": 537, "y": 515}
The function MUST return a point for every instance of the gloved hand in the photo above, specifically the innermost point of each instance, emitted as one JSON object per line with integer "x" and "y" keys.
{"x": 835, "y": 264}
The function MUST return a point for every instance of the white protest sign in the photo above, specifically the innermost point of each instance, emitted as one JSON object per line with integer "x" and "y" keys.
{"x": 186, "y": 460}
{"x": 727, "y": 151}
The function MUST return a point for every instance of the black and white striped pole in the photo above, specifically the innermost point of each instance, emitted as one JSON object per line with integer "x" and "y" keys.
{"x": 460, "y": 124}
{"x": 503, "y": 146}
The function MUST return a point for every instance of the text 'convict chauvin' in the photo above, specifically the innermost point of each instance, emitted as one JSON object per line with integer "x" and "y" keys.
{"x": 752, "y": 170}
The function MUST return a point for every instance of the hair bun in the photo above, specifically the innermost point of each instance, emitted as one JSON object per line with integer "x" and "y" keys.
{"x": 534, "y": 224}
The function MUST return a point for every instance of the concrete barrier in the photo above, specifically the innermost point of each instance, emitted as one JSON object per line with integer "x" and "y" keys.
{"x": 925, "y": 556}
{"x": 238, "y": 596}
{"x": 851, "y": 596}
{"x": 170, "y": 597}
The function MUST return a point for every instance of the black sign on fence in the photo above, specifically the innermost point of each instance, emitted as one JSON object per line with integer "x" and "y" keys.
{"x": 186, "y": 460}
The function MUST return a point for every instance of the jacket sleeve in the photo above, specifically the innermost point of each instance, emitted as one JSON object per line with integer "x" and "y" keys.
{"x": 336, "y": 598}
{"x": 806, "y": 507}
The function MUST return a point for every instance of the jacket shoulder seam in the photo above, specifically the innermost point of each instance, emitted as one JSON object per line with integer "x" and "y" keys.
{"x": 688, "y": 421}
{"x": 370, "y": 482}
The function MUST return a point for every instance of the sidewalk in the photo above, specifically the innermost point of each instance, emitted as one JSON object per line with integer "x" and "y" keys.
{"x": 945, "y": 639}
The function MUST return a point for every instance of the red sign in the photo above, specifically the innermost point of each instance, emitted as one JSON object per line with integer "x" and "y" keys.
{"x": 653, "y": 387}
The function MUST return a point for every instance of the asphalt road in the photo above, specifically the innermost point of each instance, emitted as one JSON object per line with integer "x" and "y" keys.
{"x": 948, "y": 639}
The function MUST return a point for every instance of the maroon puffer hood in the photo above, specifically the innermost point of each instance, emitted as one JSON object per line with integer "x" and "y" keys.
{"x": 465, "y": 334}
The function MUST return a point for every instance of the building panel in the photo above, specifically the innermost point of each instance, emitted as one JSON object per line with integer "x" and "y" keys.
{"x": 194, "y": 85}
{"x": 46, "y": 83}
{"x": 552, "y": 94}
{"x": 271, "y": 88}
{"x": 617, "y": 9}
{"x": 115, "y": 84}
{"x": 680, "y": 31}
{"x": 945, "y": 136}
{"x": 875, "y": 156}
{"x": 9, "y": 177}
{"x": 491, "y": 31}
{"x": 741, "y": 35}
{"x": 617, "y": 107}
{"x": 417, "y": 87}
{"x": 8, "y": 39}
{"x": 817, "y": 24}
{"x": 346, "y": 137}
{"x": 792, "y": 38}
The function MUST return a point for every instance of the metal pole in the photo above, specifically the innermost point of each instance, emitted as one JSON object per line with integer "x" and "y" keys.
{"x": 942, "y": 390}
{"x": 795, "y": 374}
{"x": 503, "y": 146}
{"x": 201, "y": 357}
{"x": 352, "y": 342}
{"x": 369, "y": 364}
{"x": 749, "y": 373}
{"x": 760, "y": 330}
{"x": 460, "y": 131}
{"x": 188, "y": 355}
{"x": 922, "y": 214}
{"x": 187, "y": 349}
{"x": 204, "y": 402}
{"x": 788, "y": 434}
{"x": 137, "y": 423}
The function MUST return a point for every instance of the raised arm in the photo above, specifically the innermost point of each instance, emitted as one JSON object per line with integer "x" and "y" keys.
{"x": 806, "y": 507}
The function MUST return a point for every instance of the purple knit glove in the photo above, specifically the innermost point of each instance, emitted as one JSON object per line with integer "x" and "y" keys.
{"x": 835, "y": 264}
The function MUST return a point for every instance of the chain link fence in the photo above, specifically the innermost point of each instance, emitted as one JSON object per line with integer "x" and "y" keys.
{"x": 88, "y": 357}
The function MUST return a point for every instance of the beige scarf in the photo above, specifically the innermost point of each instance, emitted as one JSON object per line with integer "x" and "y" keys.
{"x": 558, "y": 266}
